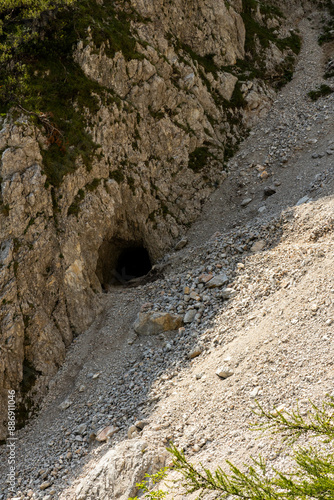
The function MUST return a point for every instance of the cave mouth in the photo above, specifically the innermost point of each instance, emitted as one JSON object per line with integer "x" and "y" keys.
{"x": 133, "y": 262}
{"x": 120, "y": 262}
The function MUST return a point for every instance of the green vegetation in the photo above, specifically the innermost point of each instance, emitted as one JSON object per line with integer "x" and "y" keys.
{"x": 329, "y": 74}
{"x": 92, "y": 186}
{"x": 30, "y": 223}
{"x": 157, "y": 115}
{"x": 198, "y": 159}
{"x": 4, "y": 209}
{"x": 152, "y": 480}
{"x": 117, "y": 175}
{"x": 311, "y": 478}
{"x": 39, "y": 76}
{"x": 260, "y": 36}
{"x": 74, "y": 209}
{"x": 265, "y": 35}
{"x": 207, "y": 61}
{"x": 328, "y": 31}
{"x": 323, "y": 91}
{"x": 254, "y": 63}
{"x": 237, "y": 100}
{"x": 131, "y": 184}
{"x": 270, "y": 10}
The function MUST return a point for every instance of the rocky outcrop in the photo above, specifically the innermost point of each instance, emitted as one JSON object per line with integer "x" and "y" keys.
{"x": 116, "y": 474}
{"x": 165, "y": 125}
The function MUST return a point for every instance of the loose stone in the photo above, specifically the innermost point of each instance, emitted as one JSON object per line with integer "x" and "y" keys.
{"x": 269, "y": 191}
{"x": 218, "y": 281}
{"x": 258, "y": 246}
{"x": 45, "y": 485}
{"x": 224, "y": 371}
{"x": 197, "y": 351}
{"x": 190, "y": 316}
{"x": 157, "y": 322}
{"x": 106, "y": 433}
{"x": 181, "y": 244}
{"x": 246, "y": 202}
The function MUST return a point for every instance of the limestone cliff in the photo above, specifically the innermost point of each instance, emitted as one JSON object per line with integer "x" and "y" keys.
{"x": 171, "y": 103}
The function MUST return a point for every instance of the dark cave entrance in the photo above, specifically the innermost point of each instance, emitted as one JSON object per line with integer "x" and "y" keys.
{"x": 121, "y": 261}
{"x": 133, "y": 262}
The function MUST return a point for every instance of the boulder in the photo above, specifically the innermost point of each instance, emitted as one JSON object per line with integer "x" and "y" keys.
{"x": 116, "y": 474}
{"x": 106, "y": 432}
{"x": 151, "y": 323}
{"x": 217, "y": 281}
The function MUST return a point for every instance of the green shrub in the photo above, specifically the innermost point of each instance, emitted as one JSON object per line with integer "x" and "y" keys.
{"x": 198, "y": 159}
{"x": 74, "y": 209}
{"x": 311, "y": 478}
{"x": 327, "y": 34}
{"x": 117, "y": 175}
{"x": 323, "y": 91}
{"x": 38, "y": 73}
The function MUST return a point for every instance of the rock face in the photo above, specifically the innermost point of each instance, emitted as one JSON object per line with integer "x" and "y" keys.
{"x": 117, "y": 473}
{"x": 172, "y": 118}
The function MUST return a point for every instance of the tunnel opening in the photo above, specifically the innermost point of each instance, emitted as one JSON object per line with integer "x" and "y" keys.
{"x": 133, "y": 262}
{"x": 120, "y": 262}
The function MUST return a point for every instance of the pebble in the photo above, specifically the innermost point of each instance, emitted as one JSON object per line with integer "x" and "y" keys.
{"x": 258, "y": 246}
{"x": 65, "y": 404}
{"x": 45, "y": 485}
{"x": 269, "y": 191}
{"x": 204, "y": 278}
{"x": 190, "y": 316}
{"x": 218, "y": 281}
{"x": 140, "y": 424}
{"x": 181, "y": 244}
{"x": 197, "y": 351}
{"x": 132, "y": 431}
{"x": 81, "y": 429}
{"x": 305, "y": 199}
{"x": 254, "y": 392}
{"x": 227, "y": 293}
{"x": 246, "y": 202}
{"x": 224, "y": 371}
{"x": 106, "y": 433}
{"x": 152, "y": 323}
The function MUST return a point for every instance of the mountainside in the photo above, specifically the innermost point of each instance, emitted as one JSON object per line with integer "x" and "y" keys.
{"x": 251, "y": 283}
{"x": 118, "y": 119}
